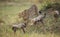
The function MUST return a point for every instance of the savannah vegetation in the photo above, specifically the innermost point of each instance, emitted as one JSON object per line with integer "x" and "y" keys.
{"x": 9, "y": 10}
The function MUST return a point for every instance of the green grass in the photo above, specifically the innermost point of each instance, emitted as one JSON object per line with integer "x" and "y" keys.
{"x": 9, "y": 13}
{"x": 19, "y": 34}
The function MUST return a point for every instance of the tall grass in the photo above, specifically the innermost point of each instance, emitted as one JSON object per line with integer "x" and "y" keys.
{"x": 9, "y": 13}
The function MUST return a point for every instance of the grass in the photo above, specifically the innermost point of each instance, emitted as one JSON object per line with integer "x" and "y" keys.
{"x": 9, "y": 13}
{"x": 19, "y": 34}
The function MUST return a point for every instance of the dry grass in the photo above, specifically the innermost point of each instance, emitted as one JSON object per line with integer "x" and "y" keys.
{"x": 9, "y": 14}
{"x": 18, "y": 34}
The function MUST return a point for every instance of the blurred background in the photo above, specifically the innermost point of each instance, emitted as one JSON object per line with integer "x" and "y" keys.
{"x": 9, "y": 10}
